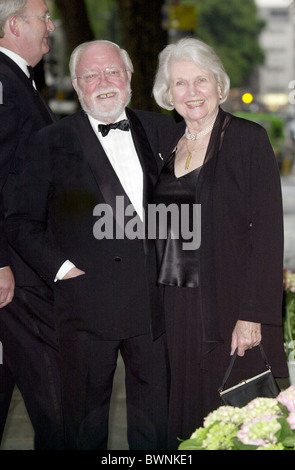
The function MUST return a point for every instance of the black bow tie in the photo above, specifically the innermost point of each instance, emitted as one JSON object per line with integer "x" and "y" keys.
{"x": 122, "y": 125}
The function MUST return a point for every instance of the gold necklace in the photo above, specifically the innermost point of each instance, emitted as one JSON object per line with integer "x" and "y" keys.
{"x": 188, "y": 158}
{"x": 189, "y": 136}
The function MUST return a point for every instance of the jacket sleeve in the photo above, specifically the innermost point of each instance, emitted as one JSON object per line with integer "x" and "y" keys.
{"x": 261, "y": 299}
{"x": 9, "y": 135}
{"x": 27, "y": 218}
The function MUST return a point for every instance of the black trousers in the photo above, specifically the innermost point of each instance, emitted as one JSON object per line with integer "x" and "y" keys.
{"x": 88, "y": 366}
{"x": 31, "y": 361}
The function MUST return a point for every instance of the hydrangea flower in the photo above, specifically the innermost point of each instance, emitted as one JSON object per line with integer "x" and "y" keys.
{"x": 263, "y": 424}
{"x": 219, "y": 436}
{"x": 224, "y": 414}
{"x": 259, "y": 431}
{"x": 260, "y": 406}
{"x": 199, "y": 434}
{"x": 287, "y": 398}
{"x": 291, "y": 420}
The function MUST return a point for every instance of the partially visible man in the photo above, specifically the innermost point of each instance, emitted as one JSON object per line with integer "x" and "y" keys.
{"x": 93, "y": 183}
{"x": 27, "y": 331}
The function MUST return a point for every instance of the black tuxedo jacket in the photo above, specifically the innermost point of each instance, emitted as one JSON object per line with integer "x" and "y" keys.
{"x": 52, "y": 219}
{"x": 22, "y": 111}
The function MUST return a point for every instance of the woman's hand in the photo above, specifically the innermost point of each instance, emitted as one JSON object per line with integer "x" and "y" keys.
{"x": 245, "y": 336}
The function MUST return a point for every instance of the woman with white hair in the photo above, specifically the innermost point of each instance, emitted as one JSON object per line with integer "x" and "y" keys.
{"x": 225, "y": 292}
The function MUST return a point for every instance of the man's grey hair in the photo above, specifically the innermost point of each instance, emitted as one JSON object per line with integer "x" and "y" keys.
{"x": 77, "y": 53}
{"x": 9, "y": 8}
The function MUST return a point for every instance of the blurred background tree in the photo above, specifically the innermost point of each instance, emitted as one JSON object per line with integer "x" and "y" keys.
{"x": 232, "y": 28}
{"x": 75, "y": 20}
{"x": 143, "y": 37}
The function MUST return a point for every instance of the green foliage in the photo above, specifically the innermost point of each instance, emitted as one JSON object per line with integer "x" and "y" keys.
{"x": 232, "y": 28}
{"x": 102, "y": 16}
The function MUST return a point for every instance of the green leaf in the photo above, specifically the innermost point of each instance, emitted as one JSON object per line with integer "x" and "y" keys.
{"x": 190, "y": 444}
{"x": 287, "y": 436}
{"x": 238, "y": 445}
{"x": 285, "y": 431}
{"x": 289, "y": 442}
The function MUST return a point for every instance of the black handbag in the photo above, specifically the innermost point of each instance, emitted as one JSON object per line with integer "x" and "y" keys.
{"x": 262, "y": 385}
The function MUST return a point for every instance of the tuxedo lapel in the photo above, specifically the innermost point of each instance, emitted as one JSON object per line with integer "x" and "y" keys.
{"x": 44, "y": 109}
{"x": 101, "y": 168}
{"x": 145, "y": 155}
{"x": 148, "y": 163}
{"x": 10, "y": 64}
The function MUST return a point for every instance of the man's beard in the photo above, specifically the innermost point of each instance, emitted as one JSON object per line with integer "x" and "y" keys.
{"x": 100, "y": 110}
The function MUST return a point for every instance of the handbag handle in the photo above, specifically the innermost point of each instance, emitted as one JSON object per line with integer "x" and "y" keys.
{"x": 227, "y": 374}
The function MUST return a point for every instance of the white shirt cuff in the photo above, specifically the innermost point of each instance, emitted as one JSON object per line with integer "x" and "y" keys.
{"x": 63, "y": 270}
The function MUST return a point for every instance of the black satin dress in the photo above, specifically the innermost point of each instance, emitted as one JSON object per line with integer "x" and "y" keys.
{"x": 179, "y": 274}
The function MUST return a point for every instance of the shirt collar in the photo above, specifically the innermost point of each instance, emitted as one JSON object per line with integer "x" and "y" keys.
{"x": 20, "y": 61}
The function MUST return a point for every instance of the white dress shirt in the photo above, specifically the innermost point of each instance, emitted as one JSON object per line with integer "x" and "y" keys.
{"x": 120, "y": 150}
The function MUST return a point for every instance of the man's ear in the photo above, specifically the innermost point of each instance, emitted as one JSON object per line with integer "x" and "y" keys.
{"x": 14, "y": 25}
{"x": 75, "y": 86}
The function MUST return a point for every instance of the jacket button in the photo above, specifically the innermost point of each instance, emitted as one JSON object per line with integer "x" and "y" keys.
{"x": 118, "y": 259}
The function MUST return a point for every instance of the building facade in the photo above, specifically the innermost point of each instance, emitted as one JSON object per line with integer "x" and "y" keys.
{"x": 272, "y": 83}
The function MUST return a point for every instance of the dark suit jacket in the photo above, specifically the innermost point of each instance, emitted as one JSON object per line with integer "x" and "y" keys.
{"x": 22, "y": 111}
{"x": 52, "y": 220}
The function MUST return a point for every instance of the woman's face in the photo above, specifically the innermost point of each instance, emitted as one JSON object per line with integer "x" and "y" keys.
{"x": 194, "y": 92}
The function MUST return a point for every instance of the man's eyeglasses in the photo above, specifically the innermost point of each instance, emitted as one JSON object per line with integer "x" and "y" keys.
{"x": 110, "y": 72}
{"x": 46, "y": 18}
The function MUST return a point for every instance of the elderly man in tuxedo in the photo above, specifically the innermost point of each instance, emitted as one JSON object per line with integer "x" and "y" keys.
{"x": 27, "y": 333}
{"x": 70, "y": 219}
